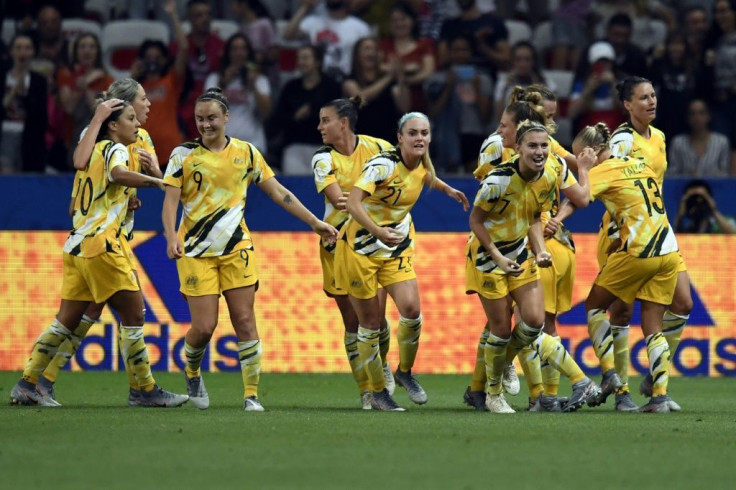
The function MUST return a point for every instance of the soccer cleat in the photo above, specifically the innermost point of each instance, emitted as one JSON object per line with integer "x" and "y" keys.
{"x": 475, "y": 399}
{"x": 158, "y": 397}
{"x": 510, "y": 380}
{"x": 674, "y": 406}
{"x": 647, "y": 385}
{"x": 382, "y": 401}
{"x": 26, "y": 393}
{"x": 657, "y": 404}
{"x": 610, "y": 383}
{"x": 197, "y": 392}
{"x": 544, "y": 403}
{"x": 497, "y": 404}
{"x": 45, "y": 387}
{"x": 624, "y": 403}
{"x": 135, "y": 398}
{"x": 413, "y": 388}
{"x": 251, "y": 404}
{"x": 366, "y": 400}
{"x": 388, "y": 376}
{"x": 584, "y": 391}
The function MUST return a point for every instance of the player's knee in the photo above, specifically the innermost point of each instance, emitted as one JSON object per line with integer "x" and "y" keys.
{"x": 682, "y": 304}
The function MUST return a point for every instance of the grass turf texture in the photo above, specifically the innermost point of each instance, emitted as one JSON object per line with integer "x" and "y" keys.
{"x": 314, "y": 435}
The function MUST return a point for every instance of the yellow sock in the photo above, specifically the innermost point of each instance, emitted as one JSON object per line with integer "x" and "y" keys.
{"x": 408, "y": 337}
{"x": 550, "y": 375}
{"x": 621, "y": 354}
{"x": 356, "y": 367}
{"x": 384, "y": 341}
{"x": 194, "y": 357}
{"x": 249, "y": 354}
{"x": 529, "y": 360}
{"x": 659, "y": 362}
{"x": 553, "y": 352}
{"x": 599, "y": 331}
{"x": 44, "y": 350}
{"x": 478, "y": 381}
{"x": 672, "y": 327}
{"x": 68, "y": 348}
{"x": 495, "y": 357}
{"x": 522, "y": 336}
{"x": 370, "y": 357}
{"x": 135, "y": 354}
{"x": 131, "y": 375}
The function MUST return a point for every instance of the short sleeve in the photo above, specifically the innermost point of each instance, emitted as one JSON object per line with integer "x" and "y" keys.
{"x": 261, "y": 170}
{"x": 374, "y": 172}
{"x": 489, "y": 193}
{"x": 118, "y": 157}
{"x": 567, "y": 179}
{"x": 322, "y": 168}
{"x": 174, "y": 172}
{"x": 621, "y": 144}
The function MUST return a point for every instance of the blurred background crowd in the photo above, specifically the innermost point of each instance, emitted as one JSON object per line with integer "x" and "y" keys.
{"x": 279, "y": 61}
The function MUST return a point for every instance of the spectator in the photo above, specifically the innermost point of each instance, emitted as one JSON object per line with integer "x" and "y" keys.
{"x": 52, "y": 45}
{"x": 701, "y": 152}
{"x": 674, "y": 79}
{"x": 720, "y": 61}
{"x": 536, "y": 10}
{"x": 695, "y": 29}
{"x": 203, "y": 57}
{"x": 569, "y": 33}
{"x": 593, "y": 98}
{"x": 377, "y": 13}
{"x": 698, "y": 212}
{"x": 248, "y": 91}
{"x": 431, "y": 14}
{"x": 79, "y": 86}
{"x": 385, "y": 92}
{"x": 460, "y": 105}
{"x": 298, "y": 108}
{"x": 490, "y": 47}
{"x": 24, "y": 114}
{"x": 416, "y": 55}
{"x": 162, "y": 79}
{"x": 337, "y": 32}
{"x": 525, "y": 70}
{"x": 256, "y": 23}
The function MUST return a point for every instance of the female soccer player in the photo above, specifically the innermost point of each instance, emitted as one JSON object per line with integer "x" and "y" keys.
{"x": 213, "y": 247}
{"x": 506, "y": 212}
{"x": 142, "y": 158}
{"x": 96, "y": 268}
{"x": 646, "y": 267}
{"x": 636, "y": 138}
{"x": 377, "y": 247}
{"x": 336, "y": 167}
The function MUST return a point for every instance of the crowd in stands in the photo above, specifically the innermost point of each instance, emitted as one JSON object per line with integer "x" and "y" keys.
{"x": 279, "y": 61}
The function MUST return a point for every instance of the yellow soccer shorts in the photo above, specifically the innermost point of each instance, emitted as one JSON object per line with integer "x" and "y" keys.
{"x": 651, "y": 279}
{"x": 681, "y": 267}
{"x": 329, "y": 284}
{"x": 497, "y": 285}
{"x": 97, "y": 278}
{"x": 557, "y": 281}
{"x": 127, "y": 250}
{"x": 361, "y": 276}
{"x": 202, "y": 276}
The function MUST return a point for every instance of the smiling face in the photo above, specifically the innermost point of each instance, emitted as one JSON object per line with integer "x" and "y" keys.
{"x": 211, "y": 120}
{"x": 125, "y": 129}
{"x": 642, "y": 106}
{"x": 414, "y": 139}
{"x": 533, "y": 152}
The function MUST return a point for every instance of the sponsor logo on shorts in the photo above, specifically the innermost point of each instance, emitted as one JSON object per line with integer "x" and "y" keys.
{"x": 192, "y": 281}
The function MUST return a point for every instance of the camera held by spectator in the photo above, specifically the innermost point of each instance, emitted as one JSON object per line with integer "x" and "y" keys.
{"x": 698, "y": 212}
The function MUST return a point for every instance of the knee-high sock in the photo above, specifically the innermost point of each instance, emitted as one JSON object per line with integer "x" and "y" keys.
{"x": 495, "y": 357}
{"x": 194, "y": 357}
{"x": 522, "y": 336}
{"x": 249, "y": 354}
{"x": 384, "y": 341}
{"x": 659, "y": 362}
{"x": 550, "y": 375}
{"x": 68, "y": 348}
{"x": 46, "y": 346}
{"x": 553, "y": 352}
{"x": 621, "y": 354}
{"x": 370, "y": 357}
{"x": 672, "y": 327}
{"x": 135, "y": 354}
{"x": 599, "y": 330}
{"x": 132, "y": 381}
{"x": 408, "y": 337}
{"x": 529, "y": 360}
{"x": 356, "y": 367}
{"x": 478, "y": 381}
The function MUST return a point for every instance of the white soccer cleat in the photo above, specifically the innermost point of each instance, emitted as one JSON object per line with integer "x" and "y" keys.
{"x": 388, "y": 376}
{"x": 497, "y": 404}
{"x": 510, "y": 380}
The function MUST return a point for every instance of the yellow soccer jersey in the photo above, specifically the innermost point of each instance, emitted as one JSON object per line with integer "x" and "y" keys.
{"x": 557, "y": 149}
{"x": 629, "y": 189}
{"x": 330, "y": 166}
{"x": 393, "y": 189}
{"x": 143, "y": 142}
{"x": 99, "y": 203}
{"x": 492, "y": 154}
{"x": 564, "y": 178}
{"x": 214, "y": 188}
{"x": 513, "y": 203}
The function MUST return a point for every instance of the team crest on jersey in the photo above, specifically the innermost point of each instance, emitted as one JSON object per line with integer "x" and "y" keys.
{"x": 238, "y": 161}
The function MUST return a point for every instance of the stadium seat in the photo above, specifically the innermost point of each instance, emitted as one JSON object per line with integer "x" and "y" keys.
{"x": 542, "y": 38}
{"x": 8, "y": 30}
{"x": 71, "y": 28}
{"x": 99, "y": 10}
{"x": 223, "y": 28}
{"x": 121, "y": 39}
{"x": 562, "y": 81}
{"x": 648, "y": 33}
{"x": 518, "y": 31}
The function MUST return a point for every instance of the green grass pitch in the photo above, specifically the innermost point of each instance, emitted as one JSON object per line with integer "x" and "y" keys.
{"x": 314, "y": 435}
